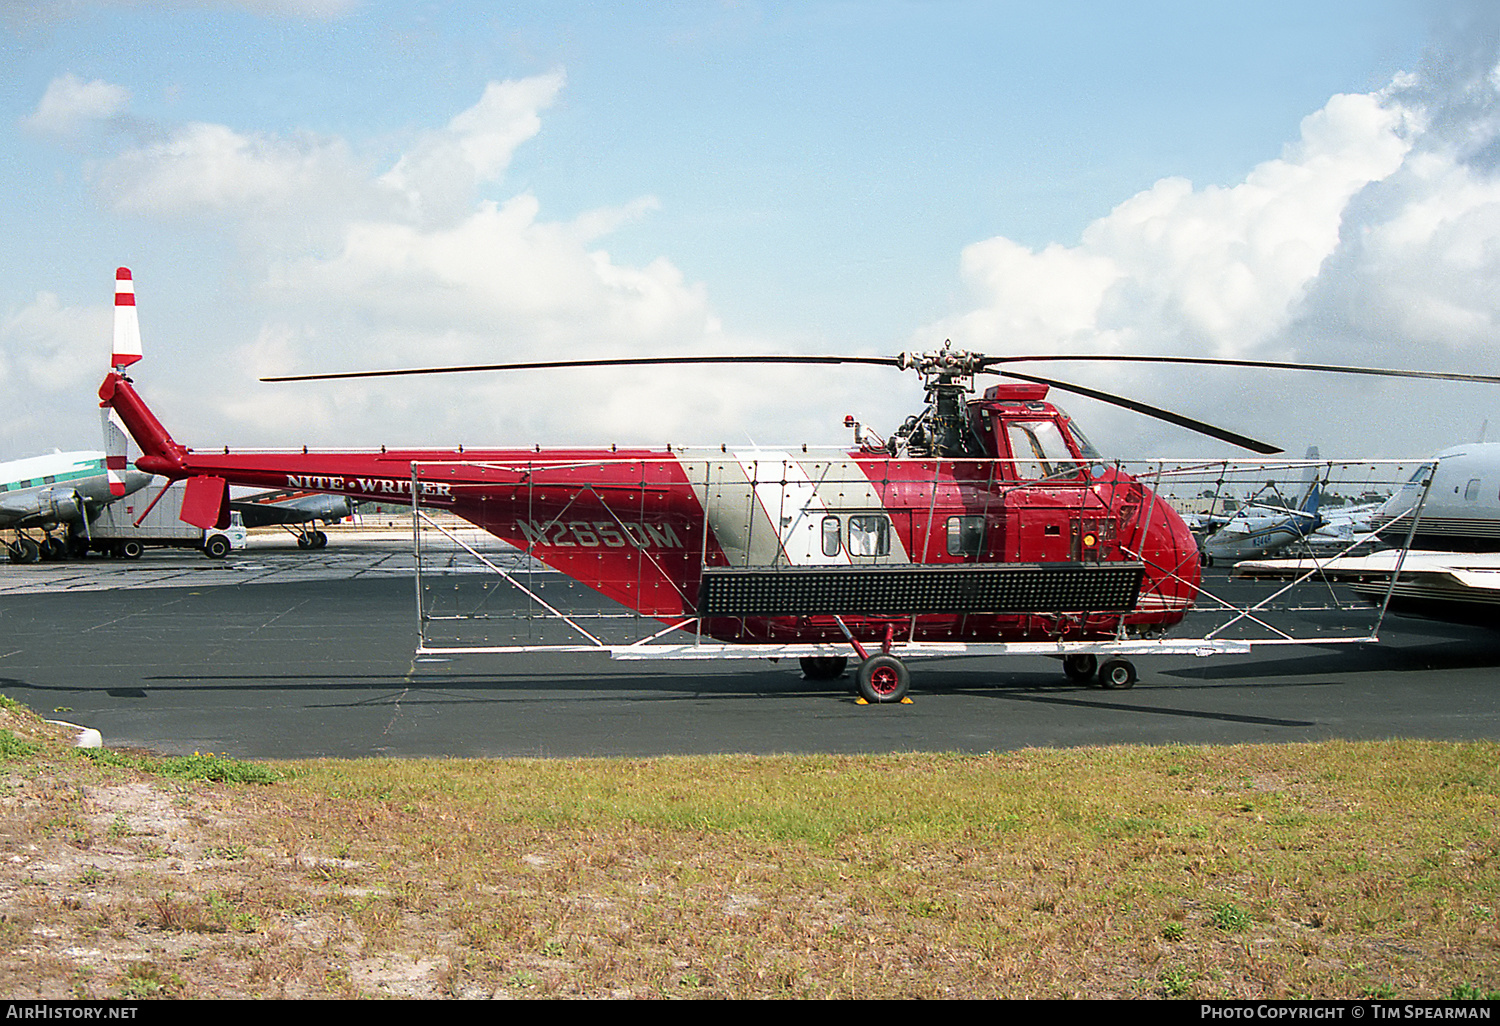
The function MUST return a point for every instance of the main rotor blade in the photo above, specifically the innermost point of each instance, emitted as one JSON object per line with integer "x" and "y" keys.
{"x": 640, "y": 361}
{"x": 989, "y": 362}
{"x": 1222, "y": 434}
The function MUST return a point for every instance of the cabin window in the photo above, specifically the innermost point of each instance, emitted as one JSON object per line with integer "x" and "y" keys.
{"x": 869, "y": 535}
{"x": 1472, "y": 491}
{"x": 965, "y": 536}
{"x": 831, "y": 536}
{"x": 1039, "y": 450}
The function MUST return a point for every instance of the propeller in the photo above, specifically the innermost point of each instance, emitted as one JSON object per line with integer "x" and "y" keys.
{"x": 946, "y": 365}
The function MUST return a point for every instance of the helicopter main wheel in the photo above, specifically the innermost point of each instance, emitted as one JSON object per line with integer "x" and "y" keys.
{"x": 882, "y": 679}
{"x": 54, "y": 549}
{"x": 1080, "y": 668}
{"x": 823, "y": 667}
{"x": 319, "y": 540}
{"x": 1117, "y": 674}
{"x": 304, "y": 541}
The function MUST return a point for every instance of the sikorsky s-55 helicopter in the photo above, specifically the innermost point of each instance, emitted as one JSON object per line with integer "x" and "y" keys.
{"x": 984, "y": 520}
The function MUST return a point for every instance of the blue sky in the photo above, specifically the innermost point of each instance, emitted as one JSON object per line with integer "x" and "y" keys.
{"x": 331, "y": 184}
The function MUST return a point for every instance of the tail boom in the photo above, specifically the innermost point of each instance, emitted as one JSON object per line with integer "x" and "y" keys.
{"x": 159, "y": 453}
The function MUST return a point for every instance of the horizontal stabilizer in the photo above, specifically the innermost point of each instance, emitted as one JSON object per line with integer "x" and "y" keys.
{"x": 205, "y": 502}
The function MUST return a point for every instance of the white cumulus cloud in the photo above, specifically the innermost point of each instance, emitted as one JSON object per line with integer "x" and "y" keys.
{"x": 70, "y": 104}
{"x": 205, "y": 167}
{"x": 438, "y": 177}
{"x": 1216, "y": 271}
{"x": 420, "y": 264}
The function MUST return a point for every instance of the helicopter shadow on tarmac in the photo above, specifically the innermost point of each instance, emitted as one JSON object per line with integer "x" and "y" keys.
{"x": 356, "y": 690}
{"x": 1464, "y": 650}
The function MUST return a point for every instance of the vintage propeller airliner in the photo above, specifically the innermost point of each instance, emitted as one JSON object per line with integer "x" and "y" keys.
{"x": 985, "y": 524}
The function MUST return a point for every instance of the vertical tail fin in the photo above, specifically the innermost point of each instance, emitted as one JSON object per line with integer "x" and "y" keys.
{"x": 1313, "y": 496}
{"x": 116, "y": 450}
{"x": 127, "y": 324}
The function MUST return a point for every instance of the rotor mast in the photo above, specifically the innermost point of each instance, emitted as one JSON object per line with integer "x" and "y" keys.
{"x": 948, "y": 376}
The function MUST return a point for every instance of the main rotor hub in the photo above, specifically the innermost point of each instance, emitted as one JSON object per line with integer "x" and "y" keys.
{"x": 942, "y": 366}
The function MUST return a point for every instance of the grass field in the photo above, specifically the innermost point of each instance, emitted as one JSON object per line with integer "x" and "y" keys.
{"x": 1332, "y": 870}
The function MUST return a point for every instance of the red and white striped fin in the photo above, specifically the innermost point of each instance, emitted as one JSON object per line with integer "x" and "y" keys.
{"x": 116, "y": 450}
{"x": 127, "y": 325}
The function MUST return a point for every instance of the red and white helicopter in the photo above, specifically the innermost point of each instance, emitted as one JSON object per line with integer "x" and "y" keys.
{"x": 985, "y": 525}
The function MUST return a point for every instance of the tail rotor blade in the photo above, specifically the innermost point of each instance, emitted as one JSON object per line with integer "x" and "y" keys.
{"x": 127, "y": 349}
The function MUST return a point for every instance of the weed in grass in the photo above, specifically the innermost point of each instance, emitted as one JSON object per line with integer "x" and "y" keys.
{"x": 13, "y": 749}
{"x": 1230, "y": 918}
{"x": 169, "y": 914}
{"x": 216, "y": 768}
{"x": 1172, "y": 931}
{"x": 245, "y": 922}
{"x": 1175, "y": 982}
{"x": 145, "y": 980}
{"x": 1469, "y": 992}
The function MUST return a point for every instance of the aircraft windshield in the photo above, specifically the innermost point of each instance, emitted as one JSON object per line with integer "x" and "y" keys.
{"x": 1085, "y": 447}
{"x": 1039, "y": 450}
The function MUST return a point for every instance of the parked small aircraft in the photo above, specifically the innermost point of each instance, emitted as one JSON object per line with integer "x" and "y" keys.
{"x": 1259, "y": 530}
{"x": 297, "y": 511}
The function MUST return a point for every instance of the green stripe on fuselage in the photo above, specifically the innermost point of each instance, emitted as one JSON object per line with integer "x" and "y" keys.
{"x": 78, "y": 473}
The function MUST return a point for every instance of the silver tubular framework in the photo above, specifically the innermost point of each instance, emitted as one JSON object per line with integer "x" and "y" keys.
{"x": 785, "y": 509}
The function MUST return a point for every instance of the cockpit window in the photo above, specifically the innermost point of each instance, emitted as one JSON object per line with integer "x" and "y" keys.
{"x": 1039, "y": 450}
{"x": 1085, "y": 447}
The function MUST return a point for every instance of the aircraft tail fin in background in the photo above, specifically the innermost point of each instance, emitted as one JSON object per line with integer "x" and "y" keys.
{"x": 127, "y": 349}
{"x": 1312, "y": 497}
{"x": 116, "y": 450}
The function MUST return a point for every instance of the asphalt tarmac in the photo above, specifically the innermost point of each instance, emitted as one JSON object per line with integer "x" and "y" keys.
{"x": 280, "y": 653}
